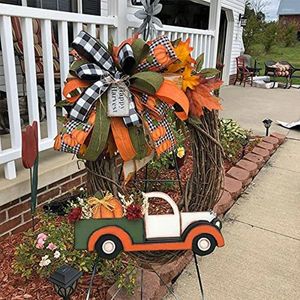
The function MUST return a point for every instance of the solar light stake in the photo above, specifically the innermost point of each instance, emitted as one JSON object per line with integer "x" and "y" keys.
{"x": 65, "y": 280}
{"x": 267, "y": 123}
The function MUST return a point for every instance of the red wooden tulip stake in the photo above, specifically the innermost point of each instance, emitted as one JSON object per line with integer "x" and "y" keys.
{"x": 30, "y": 160}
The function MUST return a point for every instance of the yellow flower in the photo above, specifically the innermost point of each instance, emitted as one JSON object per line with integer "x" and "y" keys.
{"x": 180, "y": 152}
{"x": 189, "y": 80}
{"x": 183, "y": 52}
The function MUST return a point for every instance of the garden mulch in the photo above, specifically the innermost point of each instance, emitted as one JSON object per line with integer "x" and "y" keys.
{"x": 15, "y": 287}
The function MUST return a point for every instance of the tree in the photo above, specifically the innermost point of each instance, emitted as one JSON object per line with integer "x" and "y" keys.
{"x": 255, "y": 23}
{"x": 270, "y": 35}
{"x": 258, "y": 5}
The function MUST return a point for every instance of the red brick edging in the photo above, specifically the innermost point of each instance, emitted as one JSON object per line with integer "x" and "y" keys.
{"x": 240, "y": 176}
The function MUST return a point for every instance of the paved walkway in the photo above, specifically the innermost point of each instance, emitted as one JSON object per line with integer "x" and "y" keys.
{"x": 261, "y": 258}
{"x": 250, "y": 106}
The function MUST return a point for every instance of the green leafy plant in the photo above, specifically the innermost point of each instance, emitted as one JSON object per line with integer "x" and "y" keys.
{"x": 233, "y": 138}
{"x": 51, "y": 246}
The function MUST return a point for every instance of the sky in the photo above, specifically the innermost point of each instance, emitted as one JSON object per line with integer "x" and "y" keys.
{"x": 271, "y": 10}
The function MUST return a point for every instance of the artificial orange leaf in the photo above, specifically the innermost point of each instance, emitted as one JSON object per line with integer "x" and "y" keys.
{"x": 183, "y": 52}
{"x": 202, "y": 97}
{"x": 189, "y": 80}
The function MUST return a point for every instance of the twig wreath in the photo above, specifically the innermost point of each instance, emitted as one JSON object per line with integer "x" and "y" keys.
{"x": 118, "y": 98}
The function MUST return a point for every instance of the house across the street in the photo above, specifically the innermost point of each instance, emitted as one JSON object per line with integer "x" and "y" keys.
{"x": 289, "y": 12}
{"x": 35, "y": 40}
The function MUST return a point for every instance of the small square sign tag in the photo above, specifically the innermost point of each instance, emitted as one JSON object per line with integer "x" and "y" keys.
{"x": 118, "y": 100}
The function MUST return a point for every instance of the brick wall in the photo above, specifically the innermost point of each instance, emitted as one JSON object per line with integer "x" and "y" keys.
{"x": 290, "y": 19}
{"x": 16, "y": 217}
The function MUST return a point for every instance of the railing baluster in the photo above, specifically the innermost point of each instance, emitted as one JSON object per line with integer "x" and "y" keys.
{"x": 77, "y": 27}
{"x": 206, "y": 54}
{"x": 49, "y": 78}
{"x": 64, "y": 60}
{"x": 208, "y": 51}
{"x": 91, "y": 28}
{"x": 11, "y": 93}
{"x": 104, "y": 33}
{"x": 197, "y": 52}
{"x": 30, "y": 70}
{"x": 201, "y": 43}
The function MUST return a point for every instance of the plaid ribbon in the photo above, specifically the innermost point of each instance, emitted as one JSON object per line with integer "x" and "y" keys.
{"x": 102, "y": 70}
{"x": 68, "y": 129}
{"x": 155, "y": 65}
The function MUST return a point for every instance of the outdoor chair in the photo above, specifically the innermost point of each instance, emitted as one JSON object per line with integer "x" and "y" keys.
{"x": 281, "y": 69}
{"x": 295, "y": 74}
{"x": 243, "y": 73}
{"x": 37, "y": 39}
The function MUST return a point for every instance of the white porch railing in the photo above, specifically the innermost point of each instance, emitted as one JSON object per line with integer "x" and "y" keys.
{"x": 96, "y": 25}
{"x": 201, "y": 40}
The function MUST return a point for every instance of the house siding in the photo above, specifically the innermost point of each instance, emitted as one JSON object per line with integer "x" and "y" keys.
{"x": 238, "y": 7}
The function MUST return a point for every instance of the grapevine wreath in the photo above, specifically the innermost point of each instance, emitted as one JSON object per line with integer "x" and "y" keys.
{"x": 118, "y": 99}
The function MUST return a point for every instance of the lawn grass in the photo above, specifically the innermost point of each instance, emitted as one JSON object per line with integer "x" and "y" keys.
{"x": 277, "y": 53}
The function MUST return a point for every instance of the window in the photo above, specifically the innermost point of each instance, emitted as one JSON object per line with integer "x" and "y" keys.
{"x": 89, "y": 7}
{"x": 63, "y": 5}
{"x": 14, "y": 2}
{"x": 184, "y": 13}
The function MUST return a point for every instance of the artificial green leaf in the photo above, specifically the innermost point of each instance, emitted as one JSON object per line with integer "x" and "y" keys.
{"x": 63, "y": 103}
{"x": 150, "y": 59}
{"x": 147, "y": 82}
{"x": 99, "y": 195}
{"x": 140, "y": 50}
{"x": 199, "y": 62}
{"x": 75, "y": 65}
{"x": 110, "y": 45}
{"x": 62, "y": 119}
{"x": 138, "y": 140}
{"x": 210, "y": 72}
{"x": 176, "y": 42}
{"x": 100, "y": 131}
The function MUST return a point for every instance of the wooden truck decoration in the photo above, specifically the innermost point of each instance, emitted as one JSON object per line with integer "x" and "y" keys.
{"x": 197, "y": 231}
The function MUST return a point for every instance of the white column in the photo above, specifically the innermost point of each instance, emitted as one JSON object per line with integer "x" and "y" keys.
{"x": 214, "y": 24}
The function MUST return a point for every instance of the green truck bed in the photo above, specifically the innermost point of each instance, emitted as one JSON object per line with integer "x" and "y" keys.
{"x": 84, "y": 229}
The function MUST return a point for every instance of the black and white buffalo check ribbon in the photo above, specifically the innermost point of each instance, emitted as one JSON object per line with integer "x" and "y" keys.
{"x": 102, "y": 71}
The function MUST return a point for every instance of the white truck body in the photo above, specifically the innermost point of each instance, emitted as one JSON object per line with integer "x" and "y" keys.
{"x": 172, "y": 225}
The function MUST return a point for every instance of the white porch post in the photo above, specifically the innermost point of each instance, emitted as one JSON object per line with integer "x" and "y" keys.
{"x": 119, "y": 9}
{"x": 214, "y": 24}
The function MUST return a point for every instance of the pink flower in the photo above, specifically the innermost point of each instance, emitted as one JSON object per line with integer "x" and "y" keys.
{"x": 40, "y": 240}
{"x": 42, "y": 236}
{"x": 40, "y": 244}
{"x": 51, "y": 247}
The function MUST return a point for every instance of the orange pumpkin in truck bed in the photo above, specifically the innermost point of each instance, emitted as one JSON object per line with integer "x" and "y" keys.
{"x": 107, "y": 207}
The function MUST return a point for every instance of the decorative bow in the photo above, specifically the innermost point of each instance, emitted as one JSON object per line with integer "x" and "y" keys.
{"x": 95, "y": 202}
{"x": 101, "y": 70}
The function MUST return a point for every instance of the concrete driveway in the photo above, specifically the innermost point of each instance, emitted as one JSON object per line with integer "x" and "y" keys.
{"x": 249, "y": 106}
